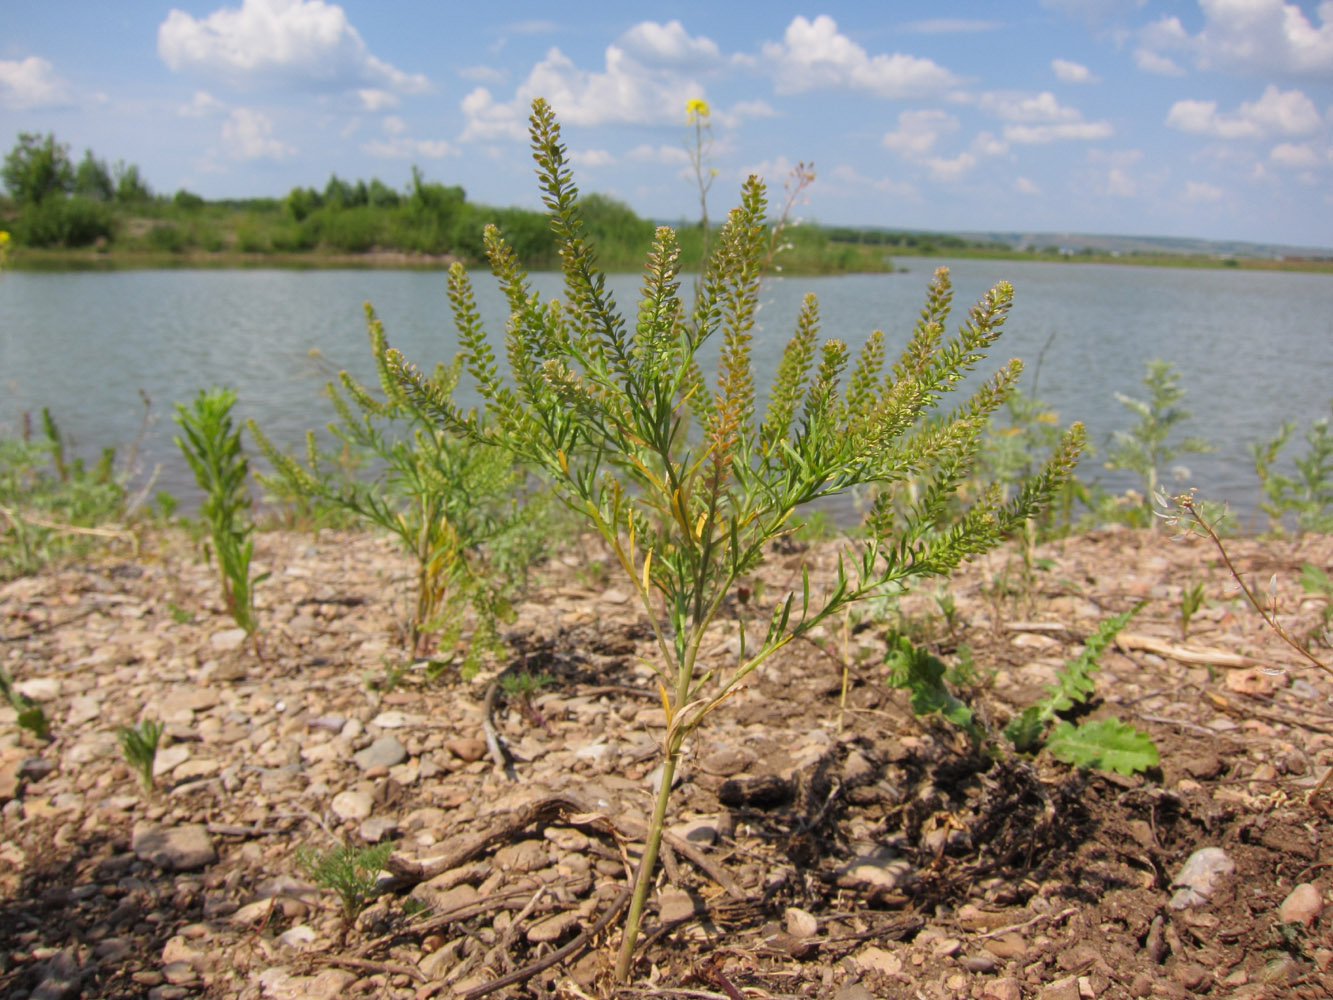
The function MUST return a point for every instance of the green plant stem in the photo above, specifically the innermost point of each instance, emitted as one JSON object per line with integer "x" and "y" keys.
{"x": 643, "y": 878}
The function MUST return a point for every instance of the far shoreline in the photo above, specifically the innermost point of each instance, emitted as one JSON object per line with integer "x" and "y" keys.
{"x": 94, "y": 259}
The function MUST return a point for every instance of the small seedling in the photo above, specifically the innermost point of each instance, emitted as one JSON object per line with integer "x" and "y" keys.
{"x": 1106, "y": 744}
{"x": 139, "y": 745}
{"x": 349, "y": 871}
{"x": 1191, "y": 599}
{"x": 521, "y": 687}
{"x": 31, "y": 716}
{"x": 179, "y": 615}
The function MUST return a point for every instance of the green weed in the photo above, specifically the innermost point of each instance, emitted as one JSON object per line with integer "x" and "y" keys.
{"x": 31, "y": 715}
{"x": 1147, "y": 447}
{"x": 213, "y": 448}
{"x": 52, "y": 504}
{"x": 1106, "y": 744}
{"x": 138, "y": 744}
{"x": 351, "y": 872}
{"x": 1191, "y": 599}
{"x": 1307, "y": 496}
{"x": 603, "y": 406}
{"x": 456, "y": 506}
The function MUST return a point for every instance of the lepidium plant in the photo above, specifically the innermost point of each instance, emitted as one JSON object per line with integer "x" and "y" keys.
{"x": 441, "y": 496}
{"x": 603, "y": 407}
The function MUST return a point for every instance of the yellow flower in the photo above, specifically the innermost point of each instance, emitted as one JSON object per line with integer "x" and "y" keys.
{"x": 4, "y": 238}
{"x": 697, "y": 108}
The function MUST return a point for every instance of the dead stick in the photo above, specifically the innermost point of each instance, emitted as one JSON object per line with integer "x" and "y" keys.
{"x": 543, "y": 810}
{"x": 706, "y": 864}
{"x": 467, "y": 911}
{"x": 560, "y": 954}
{"x": 1203, "y": 657}
{"x": 1028, "y": 923}
{"x": 368, "y": 965}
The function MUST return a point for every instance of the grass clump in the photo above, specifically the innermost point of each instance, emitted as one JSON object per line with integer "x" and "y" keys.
{"x": 52, "y": 504}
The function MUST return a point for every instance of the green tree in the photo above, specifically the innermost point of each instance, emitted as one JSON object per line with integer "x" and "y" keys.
{"x": 131, "y": 189}
{"x": 37, "y": 168}
{"x": 92, "y": 179}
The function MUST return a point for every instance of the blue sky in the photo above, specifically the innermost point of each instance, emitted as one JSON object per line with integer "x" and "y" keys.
{"x": 1209, "y": 118}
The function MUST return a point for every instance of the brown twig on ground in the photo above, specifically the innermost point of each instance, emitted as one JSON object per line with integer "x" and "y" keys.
{"x": 557, "y": 956}
{"x": 1201, "y": 657}
{"x": 1039, "y": 918}
{"x": 706, "y": 864}
{"x": 496, "y": 901}
{"x": 369, "y": 965}
{"x": 409, "y": 871}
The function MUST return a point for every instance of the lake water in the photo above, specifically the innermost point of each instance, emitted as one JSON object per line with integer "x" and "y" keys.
{"x": 1254, "y": 348}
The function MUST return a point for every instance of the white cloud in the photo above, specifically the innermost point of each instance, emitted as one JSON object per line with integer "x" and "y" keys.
{"x": 401, "y": 148}
{"x": 667, "y": 155}
{"x": 373, "y": 99}
{"x": 248, "y": 135}
{"x": 1094, "y": 11}
{"x": 989, "y": 144}
{"x": 814, "y": 55}
{"x": 1253, "y": 37}
{"x": 1024, "y": 186}
{"x": 488, "y": 119}
{"x": 535, "y": 26}
{"x": 591, "y": 158}
{"x": 1294, "y": 155}
{"x": 1037, "y": 119}
{"x": 394, "y": 125}
{"x": 772, "y": 172}
{"x": 201, "y": 105}
{"x": 1277, "y": 112}
{"x": 950, "y": 169}
{"x": 668, "y": 45}
{"x": 1119, "y": 184}
{"x": 1153, "y": 62}
{"x": 628, "y": 89}
{"x": 1072, "y": 72}
{"x": 31, "y": 84}
{"x": 268, "y": 42}
{"x": 918, "y": 131}
{"x": 1019, "y": 107}
{"x": 1201, "y": 191}
{"x": 1036, "y": 135}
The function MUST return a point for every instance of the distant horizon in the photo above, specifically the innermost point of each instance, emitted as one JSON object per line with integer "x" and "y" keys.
{"x": 1201, "y": 119}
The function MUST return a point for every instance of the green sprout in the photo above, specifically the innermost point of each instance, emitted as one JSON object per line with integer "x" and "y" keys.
{"x": 139, "y": 744}
{"x": 349, "y": 871}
